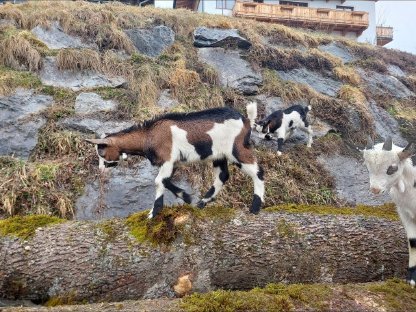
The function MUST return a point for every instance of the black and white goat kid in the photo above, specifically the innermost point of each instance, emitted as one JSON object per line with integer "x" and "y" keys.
{"x": 221, "y": 135}
{"x": 282, "y": 124}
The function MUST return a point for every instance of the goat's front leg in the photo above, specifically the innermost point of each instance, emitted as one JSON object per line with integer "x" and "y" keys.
{"x": 410, "y": 226}
{"x": 281, "y": 134}
{"x": 221, "y": 176}
{"x": 165, "y": 172}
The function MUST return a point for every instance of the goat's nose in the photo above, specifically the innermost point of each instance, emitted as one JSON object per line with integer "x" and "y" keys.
{"x": 375, "y": 190}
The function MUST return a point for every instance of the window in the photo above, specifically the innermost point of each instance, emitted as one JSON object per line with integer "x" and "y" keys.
{"x": 345, "y": 8}
{"x": 293, "y": 3}
{"x": 225, "y": 4}
{"x": 259, "y": 1}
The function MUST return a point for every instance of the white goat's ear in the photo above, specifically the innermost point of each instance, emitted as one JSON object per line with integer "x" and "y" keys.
{"x": 97, "y": 141}
{"x": 388, "y": 144}
{"x": 408, "y": 151}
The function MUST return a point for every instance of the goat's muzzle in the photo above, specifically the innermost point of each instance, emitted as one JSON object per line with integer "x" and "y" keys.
{"x": 375, "y": 190}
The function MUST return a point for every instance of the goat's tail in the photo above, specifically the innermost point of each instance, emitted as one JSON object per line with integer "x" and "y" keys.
{"x": 252, "y": 112}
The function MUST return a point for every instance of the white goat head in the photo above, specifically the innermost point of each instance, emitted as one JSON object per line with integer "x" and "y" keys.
{"x": 385, "y": 163}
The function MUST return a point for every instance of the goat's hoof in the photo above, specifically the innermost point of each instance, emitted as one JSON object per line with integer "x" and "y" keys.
{"x": 411, "y": 276}
{"x": 187, "y": 198}
{"x": 150, "y": 215}
{"x": 268, "y": 137}
{"x": 201, "y": 204}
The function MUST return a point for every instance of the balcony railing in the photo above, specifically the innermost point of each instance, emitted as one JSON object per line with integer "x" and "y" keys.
{"x": 384, "y": 35}
{"x": 316, "y": 18}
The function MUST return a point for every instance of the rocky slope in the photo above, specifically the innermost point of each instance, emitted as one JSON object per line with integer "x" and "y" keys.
{"x": 70, "y": 70}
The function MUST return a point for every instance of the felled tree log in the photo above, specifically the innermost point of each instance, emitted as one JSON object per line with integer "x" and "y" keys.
{"x": 82, "y": 261}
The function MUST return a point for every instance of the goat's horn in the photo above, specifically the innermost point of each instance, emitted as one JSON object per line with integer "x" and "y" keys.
{"x": 388, "y": 144}
{"x": 97, "y": 141}
{"x": 370, "y": 143}
{"x": 408, "y": 151}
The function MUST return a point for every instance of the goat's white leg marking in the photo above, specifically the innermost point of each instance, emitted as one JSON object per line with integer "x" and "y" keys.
{"x": 410, "y": 226}
{"x": 165, "y": 172}
{"x": 256, "y": 173}
{"x": 308, "y": 130}
{"x": 221, "y": 176}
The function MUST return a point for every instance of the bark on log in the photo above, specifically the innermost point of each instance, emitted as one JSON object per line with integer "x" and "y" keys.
{"x": 77, "y": 259}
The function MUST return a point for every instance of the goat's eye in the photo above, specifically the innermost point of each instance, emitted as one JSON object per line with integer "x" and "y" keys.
{"x": 392, "y": 169}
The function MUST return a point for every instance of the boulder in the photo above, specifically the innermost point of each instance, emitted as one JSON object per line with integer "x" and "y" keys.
{"x": 233, "y": 71}
{"x": 93, "y": 125}
{"x": 385, "y": 124}
{"x": 18, "y": 128}
{"x": 351, "y": 180}
{"x": 395, "y": 71}
{"x": 338, "y": 50}
{"x": 55, "y": 38}
{"x": 75, "y": 80}
{"x": 317, "y": 81}
{"x": 151, "y": 41}
{"x": 89, "y": 102}
{"x": 122, "y": 192}
{"x": 382, "y": 84}
{"x": 214, "y": 37}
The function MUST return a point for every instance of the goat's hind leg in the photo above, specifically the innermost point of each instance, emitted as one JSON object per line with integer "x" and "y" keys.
{"x": 177, "y": 191}
{"x": 256, "y": 174}
{"x": 410, "y": 227}
{"x": 221, "y": 176}
{"x": 165, "y": 172}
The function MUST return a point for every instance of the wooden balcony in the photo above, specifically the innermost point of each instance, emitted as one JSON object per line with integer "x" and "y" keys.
{"x": 186, "y": 4}
{"x": 384, "y": 35}
{"x": 314, "y": 18}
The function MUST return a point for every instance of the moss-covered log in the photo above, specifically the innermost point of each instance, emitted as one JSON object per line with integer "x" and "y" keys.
{"x": 86, "y": 261}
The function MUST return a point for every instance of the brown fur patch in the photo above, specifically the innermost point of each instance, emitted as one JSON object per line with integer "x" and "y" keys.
{"x": 197, "y": 132}
{"x": 244, "y": 153}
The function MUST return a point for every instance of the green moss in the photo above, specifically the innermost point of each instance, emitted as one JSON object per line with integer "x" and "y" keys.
{"x": 286, "y": 229}
{"x": 396, "y": 295}
{"x": 386, "y": 211}
{"x": 67, "y": 299}
{"x": 109, "y": 229}
{"x": 11, "y": 79}
{"x": 24, "y": 226}
{"x": 274, "y": 297}
{"x": 163, "y": 230}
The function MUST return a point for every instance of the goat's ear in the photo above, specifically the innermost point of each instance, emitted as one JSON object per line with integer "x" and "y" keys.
{"x": 408, "y": 151}
{"x": 388, "y": 144}
{"x": 97, "y": 141}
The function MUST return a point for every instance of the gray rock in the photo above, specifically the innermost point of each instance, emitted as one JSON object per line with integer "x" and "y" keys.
{"x": 75, "y": 80}
{"x": 89, "y": 102}
{"x": 151, "y": 41}
{"x": 21, "y": 104}
{"x": 214, "y": 37}
{"x": 94, "y": 125}
{"x": 385, "y": 124}
{"x": 384, "y": 84}
{"x": 165, "y": 100}
{"x": 126, "y": 191}
{"x": 233, "y": 70}
{"x": 338, "y": 50}
{"x": 7, "y": 22}
{"x": 55, "y": 38}
{"x": 271, "y": 104}
{"x": 351, "y": 180}
{"x": 18, "y": 128}
{"x": 315, "y": 80}
{"x": 395, "y": 71}
{"x": 20, "y": 138}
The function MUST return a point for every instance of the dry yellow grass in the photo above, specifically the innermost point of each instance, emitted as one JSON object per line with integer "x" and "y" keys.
{"x": 17, "y": 52}
{"x": 347, "y": 74}
{"x": 74, "y": 59}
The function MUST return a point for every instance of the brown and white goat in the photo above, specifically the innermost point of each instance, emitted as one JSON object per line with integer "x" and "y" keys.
{"x": 220, "y": 134}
